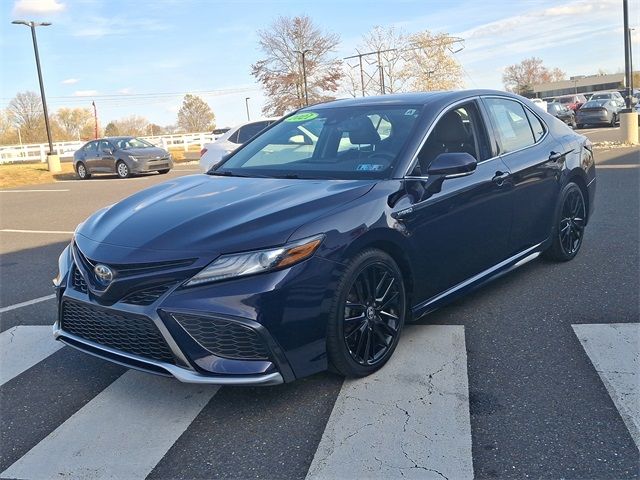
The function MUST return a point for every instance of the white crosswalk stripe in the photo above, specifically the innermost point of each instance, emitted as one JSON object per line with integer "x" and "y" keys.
{"x": 121, "y": 434}
{"x": 614, "y": 351}
{"x": 410, "y": 419}
{"x": 23, "y": 347}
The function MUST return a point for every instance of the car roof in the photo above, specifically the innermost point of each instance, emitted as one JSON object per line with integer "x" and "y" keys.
{"x": 415, "y": 98}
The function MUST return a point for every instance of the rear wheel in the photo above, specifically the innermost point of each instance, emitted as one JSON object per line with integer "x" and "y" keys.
{"x": 568, "y": 231}
{"x": 122, "y": 169}
{"x": 367, "y": 315}
{"x": 81, "y": 170}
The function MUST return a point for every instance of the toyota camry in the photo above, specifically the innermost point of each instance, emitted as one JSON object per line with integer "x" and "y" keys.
{"x": 312, "y": 245}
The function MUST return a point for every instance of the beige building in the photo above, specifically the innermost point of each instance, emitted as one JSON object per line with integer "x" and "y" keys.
{"x": 580, "y": 84}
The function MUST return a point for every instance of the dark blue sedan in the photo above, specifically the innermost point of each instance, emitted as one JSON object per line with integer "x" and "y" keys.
{"x": 311, "y": 246}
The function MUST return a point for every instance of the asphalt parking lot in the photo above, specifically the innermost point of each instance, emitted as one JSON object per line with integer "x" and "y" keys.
{"x": 505, "y": 383}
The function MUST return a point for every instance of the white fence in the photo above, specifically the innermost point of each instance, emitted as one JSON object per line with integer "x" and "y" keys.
{"x": 38, "y": 151}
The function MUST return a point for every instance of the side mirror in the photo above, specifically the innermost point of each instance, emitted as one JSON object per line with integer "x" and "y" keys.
{"x": 452, "y": 165}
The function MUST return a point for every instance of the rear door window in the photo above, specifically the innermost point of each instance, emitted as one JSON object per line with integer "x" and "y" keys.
{"x": 249, "y": 131}
{"x": 510, "y": 123}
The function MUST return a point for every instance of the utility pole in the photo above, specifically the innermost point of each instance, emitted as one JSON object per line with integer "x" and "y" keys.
{"x": 631, "y": 86}
{"x": 54, "y": 163}
{"x": 95, "y": 120}
{"x": 246, "y": 104}
{"x": 627, "y": 52}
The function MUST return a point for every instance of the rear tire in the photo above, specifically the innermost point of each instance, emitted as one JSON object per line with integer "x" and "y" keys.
{"x": 122, "y": 169}
{"x": 164, "y": 171}
{"x": 569, "y": 223}
{"x": 367, "y": 314}
{"x": 82, "y": 171}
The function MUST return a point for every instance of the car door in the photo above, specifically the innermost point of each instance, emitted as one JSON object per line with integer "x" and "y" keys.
{"x": 106, "y": 161}
{"x": 535, "y": 159}
{"x": 91, "y": 157}
{"x": 463, "y": 229}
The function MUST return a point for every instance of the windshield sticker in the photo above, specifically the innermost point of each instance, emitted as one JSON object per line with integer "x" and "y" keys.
{"x": 369, "y": 167}
{"x": 411, "y": 111}
{"x": 302, "y": 117}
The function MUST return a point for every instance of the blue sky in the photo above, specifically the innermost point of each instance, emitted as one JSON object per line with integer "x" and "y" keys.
{"x": 114, "y": 51}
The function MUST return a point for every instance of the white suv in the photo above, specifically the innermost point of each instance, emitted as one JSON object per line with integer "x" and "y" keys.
{"x": 212, "y": 153}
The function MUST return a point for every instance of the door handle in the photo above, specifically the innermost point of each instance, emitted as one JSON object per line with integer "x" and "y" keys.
{"x": 500, "y": 177}
{"x": 556, "y": 157}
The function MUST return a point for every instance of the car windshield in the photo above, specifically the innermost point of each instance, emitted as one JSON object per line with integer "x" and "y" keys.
{"x": 601, "y": 96}
{"x": 328, "y": 143}
{"x": 594, "y": 104}
{"x": 126, "y": 143}
{"x": 565, "y": 100}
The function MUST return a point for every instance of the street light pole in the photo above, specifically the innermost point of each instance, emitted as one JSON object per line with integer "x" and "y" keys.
{"x": 246, "y": 104}
{"x": 33, "y": 26}
{"x": 303, "y": 53}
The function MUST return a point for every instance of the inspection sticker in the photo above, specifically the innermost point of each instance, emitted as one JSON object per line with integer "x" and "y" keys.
{"x": 369, "y": 167}
{"x": 301, "y": 117}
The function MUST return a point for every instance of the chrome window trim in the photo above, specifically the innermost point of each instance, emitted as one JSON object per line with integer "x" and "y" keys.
{"x": 414, "y": 159}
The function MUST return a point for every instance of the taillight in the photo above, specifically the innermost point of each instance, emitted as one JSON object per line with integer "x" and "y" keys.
{"x": 203, "y": 151}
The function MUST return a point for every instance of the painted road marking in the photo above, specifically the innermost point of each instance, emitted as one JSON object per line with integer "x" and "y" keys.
{"x": 22, "y": 347}
{"x": 616, "y": 166}
{"x": 30, "y": 191}
{"x": 614, "y": 351}
{"x": 27, "y": 303}
{"x": 122, "y": 433}
{"x": 56, "y": 232}
{"x": 411, "y": 418}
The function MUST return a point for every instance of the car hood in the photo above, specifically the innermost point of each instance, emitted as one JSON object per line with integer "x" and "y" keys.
{"x": 204, "y": 214}
{"x": 148, "y": 152}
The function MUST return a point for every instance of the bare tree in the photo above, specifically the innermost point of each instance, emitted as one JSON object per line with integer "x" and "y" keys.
{"x": 430, "y": 64}
{"x": 8, "y": 132}
{"x": 25, "y": 113}
{"x": 132, "y": 125}
{"x": 281, "y": 72}
{"x": 195, "y": 115}
{"x": 521, "y": 77}
{"x": 76, "y": 123}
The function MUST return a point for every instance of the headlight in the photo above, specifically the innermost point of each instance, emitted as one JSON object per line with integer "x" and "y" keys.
{"x": 258, "y": 261}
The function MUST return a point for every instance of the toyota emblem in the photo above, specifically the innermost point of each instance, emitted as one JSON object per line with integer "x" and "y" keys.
{"x": 103, "y": 274}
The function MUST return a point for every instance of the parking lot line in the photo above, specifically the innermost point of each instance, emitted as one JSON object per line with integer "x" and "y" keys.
{"x": 122, "y": 433}
{"x": 27, "y": 303}
{"x": 30, "y": 191}
{"x": 409, "y": 418}
{"x": 615, "y": 166}
{"x": 614, "y": 351}
{"x": 22, "y": 347}
{"x": 60, "y": 232}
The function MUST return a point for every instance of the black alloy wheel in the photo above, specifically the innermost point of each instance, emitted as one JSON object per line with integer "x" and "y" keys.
{"x": 570, "y": 224}
{"x": 369, "y": 316}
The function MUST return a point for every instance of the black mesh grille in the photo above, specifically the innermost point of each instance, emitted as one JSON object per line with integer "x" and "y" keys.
{"x": 224, "y": 338}
{"x": 134, "y": 334}
{"x": 78, "y": 281}
{"x": 148, "y": 295}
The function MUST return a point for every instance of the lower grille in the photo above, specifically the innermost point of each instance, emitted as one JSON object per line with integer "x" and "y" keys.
{"x": 135, "y": 334}
{"x": 224, "y": 338}
{"x": 78, "y": 281}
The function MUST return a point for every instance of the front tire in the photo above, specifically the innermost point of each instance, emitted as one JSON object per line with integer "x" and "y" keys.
{"x": 367, "y": 314}
{"x": 82, "y": 171}
{"x": 569, "y": 224}
{"x": 122, "y": 169}
{"x": 164, "y": 171}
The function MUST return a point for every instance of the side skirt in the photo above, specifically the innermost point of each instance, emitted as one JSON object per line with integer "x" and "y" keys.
{"x": 477, "y": 280}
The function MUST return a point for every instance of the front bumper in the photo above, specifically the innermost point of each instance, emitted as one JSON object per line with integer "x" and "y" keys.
{"x": 151, "y": 164}
{"x": 283, "y": 311}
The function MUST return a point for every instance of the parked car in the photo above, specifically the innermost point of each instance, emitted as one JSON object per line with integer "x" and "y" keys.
{"x": 573, "y": 102}
{"x": 218, "y": 132}
{"x": 562, "y": 113}
{"x": 273, "y": 267}
{"x": 538, "y": 102}
{"x": 598, "y": 112}
{"x": 615, "y": 97}
{"x": 124, "y": 156}
{"x": 212, "y": 153}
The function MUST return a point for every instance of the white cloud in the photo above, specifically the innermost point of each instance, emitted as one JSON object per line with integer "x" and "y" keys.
{"x": 38, "y": 7}
{"x": 125, "y": 91}
{"x": 85, "y": 93}
{"x": 97, "y": 27}
{"x": 70, "y": 81}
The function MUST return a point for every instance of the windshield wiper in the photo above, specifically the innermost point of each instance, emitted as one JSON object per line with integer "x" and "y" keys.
{"x": 288, "y": 175}
{"x": 227, "y": 173}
